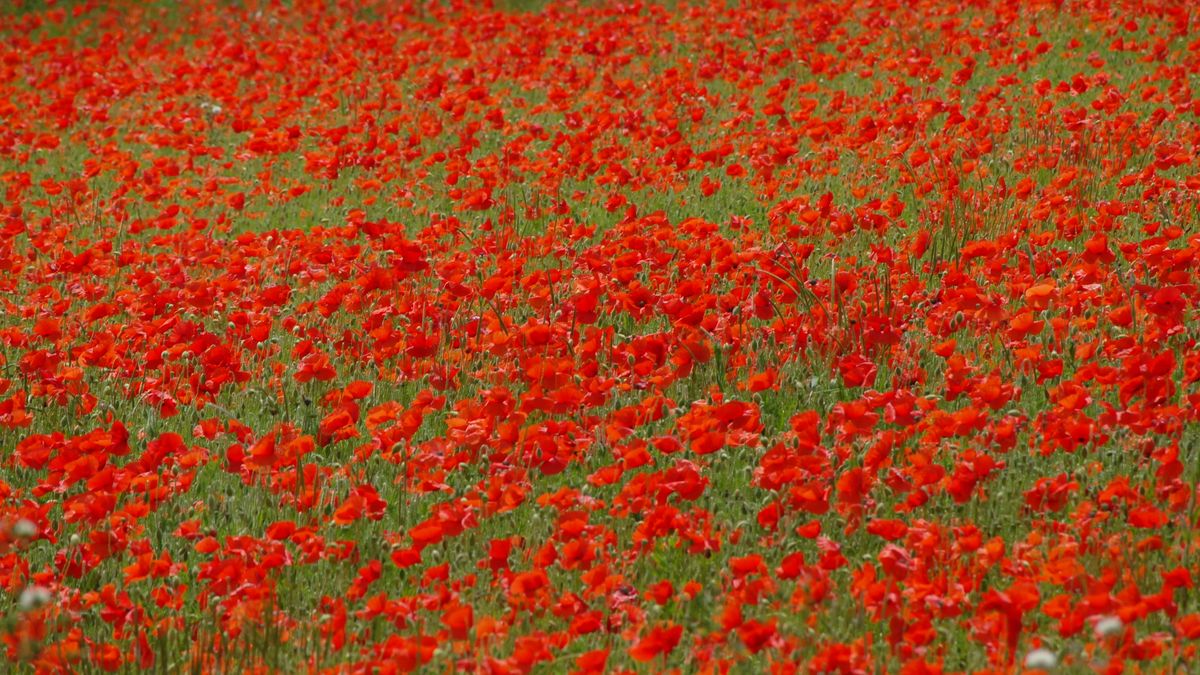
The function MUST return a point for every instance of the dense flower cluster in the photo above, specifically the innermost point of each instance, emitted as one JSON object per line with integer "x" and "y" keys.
{"x": 850, "y": 336}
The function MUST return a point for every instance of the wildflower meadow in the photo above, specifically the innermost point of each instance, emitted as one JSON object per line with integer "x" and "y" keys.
{"x": 371, "y": 336}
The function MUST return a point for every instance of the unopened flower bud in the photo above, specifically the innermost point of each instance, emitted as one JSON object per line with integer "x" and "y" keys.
{"x": 33, "y": 598}
{"x": 1109, "y": 625}
{"x": 25, "y": 528}
{"x": 1042, "y": 659}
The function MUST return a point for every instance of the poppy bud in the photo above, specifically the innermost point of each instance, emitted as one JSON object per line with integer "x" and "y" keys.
{"x": 34, "y": 597}
{"x": 24, "y": 529}
{"x": 1041, "y": 659}
{"x": 1109, "y": 625}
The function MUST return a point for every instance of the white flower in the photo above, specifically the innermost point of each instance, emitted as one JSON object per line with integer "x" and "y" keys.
{"x": 33, "y": 597}
{"x": 1042, "y": 659}
{"x": 25, "y": 528}
{"x": 1109, "y": 625}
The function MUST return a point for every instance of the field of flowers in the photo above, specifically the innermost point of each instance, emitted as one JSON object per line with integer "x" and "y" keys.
{"x": 845, "y": 336}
